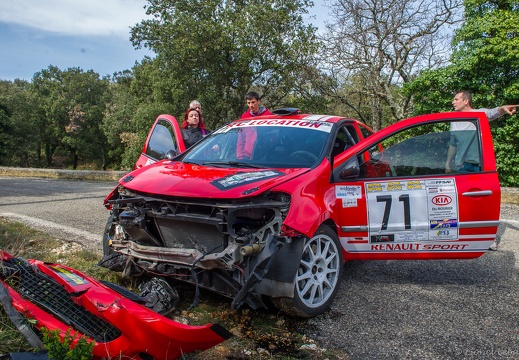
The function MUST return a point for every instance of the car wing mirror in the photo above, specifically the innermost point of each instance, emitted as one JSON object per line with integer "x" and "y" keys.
{"x": 348, "y": 170}
{"x": 171, "y": 154}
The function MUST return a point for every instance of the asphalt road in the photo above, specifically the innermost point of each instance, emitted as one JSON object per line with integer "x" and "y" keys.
{"x": 452, "y": 309}
{"x": 68, "y": 209}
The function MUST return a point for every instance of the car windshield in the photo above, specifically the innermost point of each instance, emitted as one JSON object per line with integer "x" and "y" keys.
{"x": 263, "y": 143}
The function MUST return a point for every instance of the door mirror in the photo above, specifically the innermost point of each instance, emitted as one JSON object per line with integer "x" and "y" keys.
{"x": 171, "y": 154}
{"x": 350, "y": 170}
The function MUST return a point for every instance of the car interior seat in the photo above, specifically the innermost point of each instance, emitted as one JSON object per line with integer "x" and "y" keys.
{"x": 339, "y": 146}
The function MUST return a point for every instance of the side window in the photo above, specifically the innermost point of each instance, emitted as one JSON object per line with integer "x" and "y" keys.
{"x": 344, "y": 139}
{"x": 424, "y": 150}
{"x": 161, "y": 140}
{"x": 465, "y": 154}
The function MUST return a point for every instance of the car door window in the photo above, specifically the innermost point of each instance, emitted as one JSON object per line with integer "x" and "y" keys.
{"x": 161, "y": 141}
{"x": 344, "y": 139}
{"x": 423, "y": 150}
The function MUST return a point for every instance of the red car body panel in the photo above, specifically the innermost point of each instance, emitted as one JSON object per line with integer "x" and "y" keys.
{"x": 194, "y": 181}
{"x": 142, "y": 331}
{"x": 485, "y": 207}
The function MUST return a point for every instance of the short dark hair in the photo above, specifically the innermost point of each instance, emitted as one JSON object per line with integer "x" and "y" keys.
{"x": 252, "y": 95}
{"x": 466, "y": 95}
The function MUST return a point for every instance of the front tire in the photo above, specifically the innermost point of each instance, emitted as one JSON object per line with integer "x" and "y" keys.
{"x": 107, "y": 235}
{"x": 111, "y": 259}
{"x": 318, "y": 276}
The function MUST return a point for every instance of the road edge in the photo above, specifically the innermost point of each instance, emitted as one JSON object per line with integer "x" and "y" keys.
{"x": 100, "y": 175}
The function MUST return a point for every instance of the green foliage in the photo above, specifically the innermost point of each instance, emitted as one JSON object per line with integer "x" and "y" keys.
{"x": 70, "y": 108}
{"x": 10, "y": 337}
{"x": 65, "y": 349}
{"x": 18, "y": 117}
{"x": 216, "y": 51}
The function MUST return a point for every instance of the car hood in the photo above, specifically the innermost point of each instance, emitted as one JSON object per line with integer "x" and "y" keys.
{"x": 189, "y": 180}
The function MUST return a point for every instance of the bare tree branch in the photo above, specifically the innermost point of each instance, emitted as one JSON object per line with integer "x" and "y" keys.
{"x": 382, "y": 45}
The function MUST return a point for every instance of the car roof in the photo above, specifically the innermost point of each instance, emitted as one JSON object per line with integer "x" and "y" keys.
{"x": 295, "y": 114}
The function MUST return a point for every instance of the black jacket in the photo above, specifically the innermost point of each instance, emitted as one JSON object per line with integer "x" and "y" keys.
{"x": 191, "y": 135}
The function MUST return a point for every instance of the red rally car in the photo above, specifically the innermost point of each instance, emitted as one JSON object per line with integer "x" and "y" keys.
{"x": 271, "y": 207}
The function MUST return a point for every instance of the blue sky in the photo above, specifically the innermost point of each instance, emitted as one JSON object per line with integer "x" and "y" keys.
{"x": 92, "y": 34}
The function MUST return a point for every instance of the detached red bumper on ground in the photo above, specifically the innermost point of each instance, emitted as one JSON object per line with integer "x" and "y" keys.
{"x": 59, "y": 297}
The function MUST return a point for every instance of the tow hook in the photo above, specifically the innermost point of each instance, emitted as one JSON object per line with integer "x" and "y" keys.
{"x": 249, "y": 249}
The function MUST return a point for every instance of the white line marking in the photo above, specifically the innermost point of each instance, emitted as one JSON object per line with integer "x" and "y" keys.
{"x": 44, "y": 224}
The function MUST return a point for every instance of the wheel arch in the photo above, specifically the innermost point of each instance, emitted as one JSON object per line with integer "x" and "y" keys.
{"x": 280, "y": 278}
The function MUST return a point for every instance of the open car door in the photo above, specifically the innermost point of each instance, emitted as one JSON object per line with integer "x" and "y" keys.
{"x": 396, "y": 200}
{"x": 164, "y": 136}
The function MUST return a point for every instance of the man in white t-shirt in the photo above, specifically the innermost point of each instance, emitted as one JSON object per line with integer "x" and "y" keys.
{"x": 463, "y": 154}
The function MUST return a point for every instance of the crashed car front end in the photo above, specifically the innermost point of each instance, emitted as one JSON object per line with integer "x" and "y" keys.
{"x": 220, "y": 244}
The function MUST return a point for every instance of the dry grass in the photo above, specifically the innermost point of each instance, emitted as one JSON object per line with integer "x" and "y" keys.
{"x": 510, "y": 197}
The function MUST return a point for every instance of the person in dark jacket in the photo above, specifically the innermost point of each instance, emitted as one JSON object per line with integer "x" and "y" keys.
{"x": 193, "y": 128}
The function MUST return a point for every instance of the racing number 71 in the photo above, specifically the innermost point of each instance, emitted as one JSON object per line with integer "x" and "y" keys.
{"x": 388, "y": 199}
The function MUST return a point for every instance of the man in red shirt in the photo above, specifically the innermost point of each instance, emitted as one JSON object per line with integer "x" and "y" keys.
{"x": 254, "y": 105}
{"x": 247, "y": 135}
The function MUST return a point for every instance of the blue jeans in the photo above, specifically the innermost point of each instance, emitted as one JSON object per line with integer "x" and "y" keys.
{"x": 469, "y": 167}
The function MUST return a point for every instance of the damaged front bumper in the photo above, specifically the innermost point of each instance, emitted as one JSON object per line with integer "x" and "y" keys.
{"x": 62, "y": 298}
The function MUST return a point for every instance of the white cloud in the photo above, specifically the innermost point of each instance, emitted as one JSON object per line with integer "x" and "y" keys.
{"x": 74, "y": 17}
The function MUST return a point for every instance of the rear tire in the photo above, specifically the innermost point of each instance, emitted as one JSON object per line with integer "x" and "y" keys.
{"x": 318, "y": 276}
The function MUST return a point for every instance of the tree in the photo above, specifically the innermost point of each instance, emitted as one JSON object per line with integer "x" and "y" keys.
{"x": 485, "y": 61}
{"x": 374, "y": 47}
{"x": 17, "y": 119}
{"x": 217, "y": 50}
{"x": 17, "y": 138}
{"x": 134, "y": 100}
{"x": 86, "y": 104}
{"x": 71, "y": 105}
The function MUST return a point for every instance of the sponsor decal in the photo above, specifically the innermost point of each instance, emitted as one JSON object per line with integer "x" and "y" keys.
{"x": 344, "y": 191}
{"x": 349, "y": 202}
{"x": 373, "y": 187}
{"x": 68, "y": 276}
{"x": 382, "y": 238}
{"x": 442, "y": 233}
{"x": 348, "y": 195}
{"x": 444, "y": 247}
{"x": 442, "y": 224}
{"x": 417, "y": 247}
{"x": 412, "y": 211}
{"x": 441, "y": 200}
{"x": 309, "y": 124}
{"x": 416, "y": 184}
{"x": 395, "y": 247}
{"x": 395, "y": 185}
{"x": 243, "y": 178}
